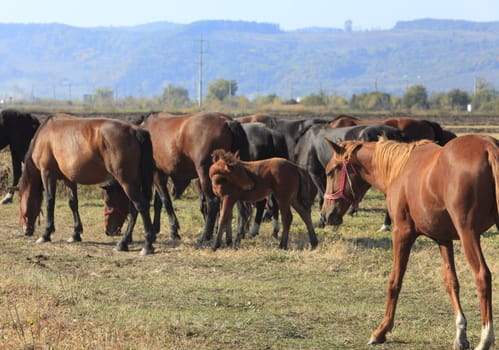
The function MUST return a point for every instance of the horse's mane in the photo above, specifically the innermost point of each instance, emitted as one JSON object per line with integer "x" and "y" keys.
{"x": 390, "y": 157}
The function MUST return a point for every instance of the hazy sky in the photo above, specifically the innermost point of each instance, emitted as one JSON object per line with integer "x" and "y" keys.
{"x": 290, "y": 14}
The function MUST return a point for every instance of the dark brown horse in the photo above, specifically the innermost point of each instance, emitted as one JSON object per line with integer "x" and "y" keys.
{"x": 182, "y": 147}
{"x": 235, "y": 180}
{"x": 86, "y": 151}
{"x": 445, "y": 193}
{"x": 414, "y": 129}
{"x": 16, "y": 131}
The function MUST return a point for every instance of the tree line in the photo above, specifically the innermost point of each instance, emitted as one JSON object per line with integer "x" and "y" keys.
{"x": 222, "y": 93}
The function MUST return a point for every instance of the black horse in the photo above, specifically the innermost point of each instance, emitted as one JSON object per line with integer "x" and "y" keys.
{"x": 292, "y": 130}
{"x": 265, "y": 143}
{"x": 313, "y": 153}
{"x": 16, "y": 131}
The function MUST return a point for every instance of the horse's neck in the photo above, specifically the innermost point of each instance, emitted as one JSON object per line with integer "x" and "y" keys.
{"x": 369, "y": 172}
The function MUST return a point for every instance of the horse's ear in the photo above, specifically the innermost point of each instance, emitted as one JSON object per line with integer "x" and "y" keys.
{"x": 336, "y": 148}
{"x": 236, "y": 155}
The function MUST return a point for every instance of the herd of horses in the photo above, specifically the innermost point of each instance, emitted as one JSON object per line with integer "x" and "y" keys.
{"x": 436, "y": 184}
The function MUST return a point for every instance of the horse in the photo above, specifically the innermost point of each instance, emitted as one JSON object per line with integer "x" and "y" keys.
{"x": 313, "y": 153}
{"x": 235, "y": 180}
{"x": 16, "y": 131}
{"x": 445, "y": 193}
{"x": 414, "y": 129}
{"x": 291, "y": 129}
{"x": 264, "y": 143}
{"x": 182, "y": 147}
{"x": 86, "y": 151}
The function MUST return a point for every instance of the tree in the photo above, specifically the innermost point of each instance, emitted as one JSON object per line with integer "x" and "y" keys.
{"x": 485, "y": 95}
{"x": 221, "y": 88}
{"x": 415, "y": 97}
{"x": 175, "y": 96}
{"x": 319, "y": 99}
{"x": 456, "y": 99}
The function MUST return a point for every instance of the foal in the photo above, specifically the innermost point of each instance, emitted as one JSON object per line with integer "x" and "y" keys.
{"x": 235, "y": 180}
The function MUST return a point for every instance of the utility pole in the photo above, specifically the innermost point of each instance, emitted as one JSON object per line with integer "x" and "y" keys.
{"x": 200, "y": 86}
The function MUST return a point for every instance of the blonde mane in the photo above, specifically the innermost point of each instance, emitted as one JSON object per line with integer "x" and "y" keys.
{"x": 390, "y": 157}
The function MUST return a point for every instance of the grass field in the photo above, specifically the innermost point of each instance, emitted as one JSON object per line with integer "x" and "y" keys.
{"x": 63, "y": 295}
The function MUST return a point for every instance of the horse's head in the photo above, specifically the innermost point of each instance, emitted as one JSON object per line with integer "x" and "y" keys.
{"x": 116, "y": 207}
{"x": 227, "y": 166}
{"x": 344, "y": 185}
{"x": 30, "y": 201}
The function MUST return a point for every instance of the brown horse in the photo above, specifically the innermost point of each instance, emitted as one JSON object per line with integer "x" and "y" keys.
{"x": 86, "y": 151}
{"x": 446, "y": 193}
{"x": 235, "y": 180}
{"x": 182, "y": 147}
{"x": 414, "y": 129}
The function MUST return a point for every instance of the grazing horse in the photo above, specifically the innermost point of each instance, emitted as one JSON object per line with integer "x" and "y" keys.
{"x": 414, "y": 129}
{"x": 182, "y": 147}
{"x": 235, "y": 180}
{"x": 291, "y": 129}
{"x": 313, "y": 153}
{"x": 86, "y": 151}
{"x": 16, "y": 131}
{"x": 445, "y": 193}
{"x": 264, "y": 143}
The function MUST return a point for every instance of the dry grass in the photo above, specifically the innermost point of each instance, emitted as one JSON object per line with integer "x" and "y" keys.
{"x": 87, "y": 296}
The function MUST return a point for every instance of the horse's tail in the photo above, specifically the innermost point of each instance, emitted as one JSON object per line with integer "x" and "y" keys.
{"x": 493, "y": 156}
{"x": 307, "y": 190}
{"x": 437, "y": 130}
{"x": 146, "y": 162}
{"x": 239, "y": 139}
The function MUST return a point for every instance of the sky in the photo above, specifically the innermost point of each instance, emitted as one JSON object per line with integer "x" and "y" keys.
{"x": 289, "y": 14}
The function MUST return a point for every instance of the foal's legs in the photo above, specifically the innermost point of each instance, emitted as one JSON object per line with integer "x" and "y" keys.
{"x": 306, "y": 216}
{"x": 72, "y": 192}
{"x": 402, "y": 242}
{"x": 224, "y": 220}
{"x": 452, "y": 287}
{"x": 49, "y": 184}
{"x": 286, "y": 218}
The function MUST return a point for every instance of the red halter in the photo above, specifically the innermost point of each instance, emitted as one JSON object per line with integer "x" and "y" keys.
{"x": 341, "y": 192}
{"x": 115, "y": 209}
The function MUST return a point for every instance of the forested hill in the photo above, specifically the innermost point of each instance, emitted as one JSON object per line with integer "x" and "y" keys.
{"x": 56, "y": 60}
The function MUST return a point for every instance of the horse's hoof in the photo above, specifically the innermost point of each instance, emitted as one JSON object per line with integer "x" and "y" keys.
{"x": 461, "y": 345}
{"x": 385, "y": 228}
{"x": 6, "y": 200}
{"x": 375, "y": 341}
{"x": 147, "y": 251}
{"x": 121, "y": 247}
{"x": 42, "y": 240}
{"x": 74, "y": 239}
{"x": 28, "y": 233}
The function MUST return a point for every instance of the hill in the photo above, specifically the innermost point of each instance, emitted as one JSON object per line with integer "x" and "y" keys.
{"x": 56, "y": 60}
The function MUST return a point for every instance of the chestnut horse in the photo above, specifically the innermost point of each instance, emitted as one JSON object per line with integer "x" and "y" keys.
{"x": 235, "y": 180}
{"x": 182, "y": 147}
{"x": 86, "y": 151}
{"x": 414, "y": 129}
{"x": 445, "y": 193}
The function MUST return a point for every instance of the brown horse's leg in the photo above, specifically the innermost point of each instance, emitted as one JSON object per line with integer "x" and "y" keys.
{"x": 452, "y": 287}
{"x": 49, "y": 183}
{"x": 402, "y": 243}
{"x": 162, "y": 191}
{"x": 122, "y": 245}
{"x": 73, "y": 204}
{"x": 142, "y": 206}
{"x": 286, "y": 219}
{"x": 224, "y": 221}
{"x": 306, "y": 216}
{"x": 212, "y": 206}
{"x": 483, "y": 280}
